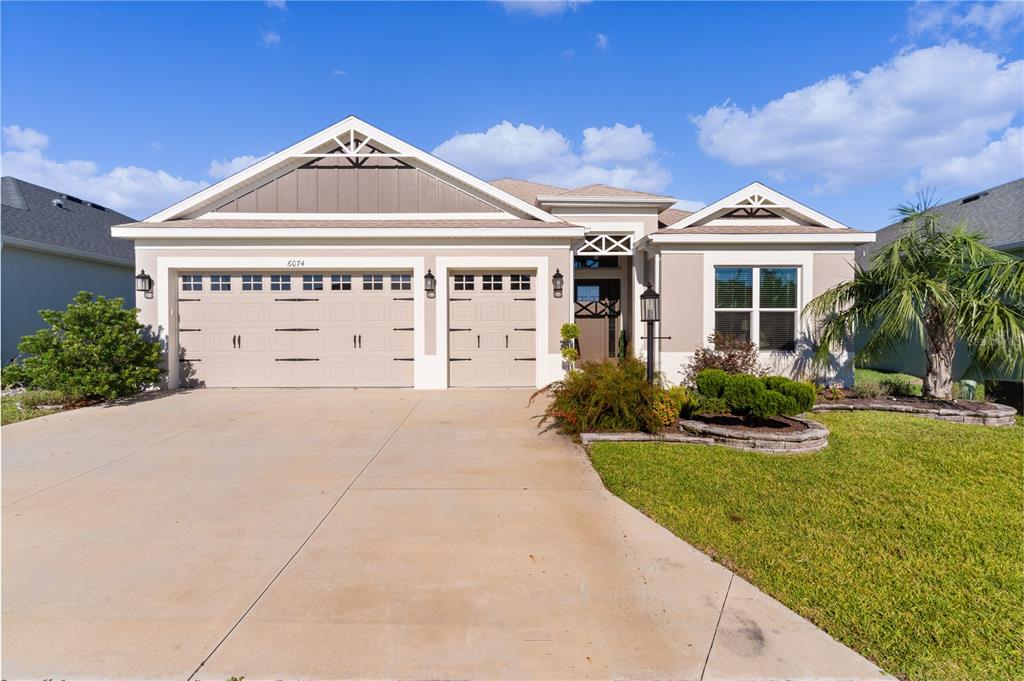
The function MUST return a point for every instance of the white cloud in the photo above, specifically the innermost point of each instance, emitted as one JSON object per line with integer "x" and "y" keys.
{"x": 276, "y": 4}
{"x": 156, "y": 146}
{"x": 24, "y": 138}
{"x": 269, "y": 38}
{"x": 623, "y": 156}
{"x": 1001, "y": 160}
{"x": 135, "y": 191}
{"x": 339, "y": 72}
{"x": 541, "y": 8}
{"x": 221, "y": 168}
{"x": 981, "y": 20}
{"x": 601, "y": 41}
{"x": 691, "y": 206}
{"x": 918, "y": 110}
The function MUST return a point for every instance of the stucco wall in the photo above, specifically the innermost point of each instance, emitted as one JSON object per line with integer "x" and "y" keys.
{"x": 682, "y": 290}
{"x": 31, "y": 281}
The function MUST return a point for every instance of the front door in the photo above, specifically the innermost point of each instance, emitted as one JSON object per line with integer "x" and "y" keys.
{"x": 599, "y": 315}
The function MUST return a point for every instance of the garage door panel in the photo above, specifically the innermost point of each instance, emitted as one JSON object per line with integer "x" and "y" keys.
{"x": 462, "y": 312}
{"x": 372, "y": 311}
{"x": 493, "y": 312}
{"x": 252, "y": 312}
{"x": 340, "y": 312}
{"x": 219, "y": 311}
{"x": 521, "y": 311}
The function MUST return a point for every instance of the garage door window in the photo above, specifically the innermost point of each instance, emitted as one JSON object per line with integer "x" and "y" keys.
{"x": 220, "y": 282}
{"x": 373, "y": 282}
{"x": 491, "y": 282}
{"x": 519, "y": 282}
{"x": 312, "y": 282}
{"x": 280, "y": 282}
{"x": 401, "y": 282}
{"x": 341, "y": 282}
{"x": 465, "y": 282}
{"x": 252, "y": 282}
{"x": 191, "y": 282}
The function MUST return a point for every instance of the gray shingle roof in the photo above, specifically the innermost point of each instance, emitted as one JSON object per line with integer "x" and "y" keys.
{"x": 997, "y": 213}
{"x": 29, "y": 215}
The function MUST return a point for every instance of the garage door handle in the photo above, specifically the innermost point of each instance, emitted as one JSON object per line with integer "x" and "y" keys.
{"x": 353, "y": 341}
{"x": 506, "y": 341}
{"x": 234, "y": 341}
{"x": 478, "y": 341}
{"x": 360, "y": 340}
{"x": 239, "y": 341}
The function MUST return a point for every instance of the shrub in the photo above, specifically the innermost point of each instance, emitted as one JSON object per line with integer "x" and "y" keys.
{"x": 93, "y": 349}
{"x": 867, "y": 391}
{"x": 897, "y": 387}
{"x": 603, "y": 396}
{"x": 665, "y": 409}
{"x": 685, "y": 400}
{"x": 770, "y": 403}
{"x": 13, "y": 375}
{"x": 711, "y": 382}
{"x": 741, "y": 392}
{"x": 569, "y": 331}
{"x": 711, "y": 405}
{"x": 800, "y": 392}
{"x": 570, "y": 354}
{"x": 730, "y": 354}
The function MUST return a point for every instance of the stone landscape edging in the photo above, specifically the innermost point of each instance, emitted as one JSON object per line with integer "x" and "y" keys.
{"x": 698, "y": 433}
{"x": 998, "y": 416}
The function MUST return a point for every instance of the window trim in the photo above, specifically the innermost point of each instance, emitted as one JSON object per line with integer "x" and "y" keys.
{"x": 755, "y": 299}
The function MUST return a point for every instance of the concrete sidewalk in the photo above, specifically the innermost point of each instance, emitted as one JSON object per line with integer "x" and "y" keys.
{"x": 317, "y": 534}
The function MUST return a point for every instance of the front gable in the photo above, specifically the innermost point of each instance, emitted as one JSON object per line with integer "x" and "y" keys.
{"x": 757, "y": 206}
{"x": 348, "y": 170}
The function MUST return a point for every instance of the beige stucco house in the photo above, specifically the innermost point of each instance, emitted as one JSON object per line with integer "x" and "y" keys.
{"x": 352, "y": 258}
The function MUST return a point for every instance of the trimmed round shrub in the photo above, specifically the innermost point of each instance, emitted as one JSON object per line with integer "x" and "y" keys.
{"x": 802, "y": 393}
{"x": 711, "y": 382}
{"x": 770, "y": 403}
{"x": 741, "y": 392}
{"x": 569, "y": 331}
{"x": 711, "y": 405}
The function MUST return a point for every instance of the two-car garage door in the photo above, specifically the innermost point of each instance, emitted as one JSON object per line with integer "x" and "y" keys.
{"x": 281, "y": 329}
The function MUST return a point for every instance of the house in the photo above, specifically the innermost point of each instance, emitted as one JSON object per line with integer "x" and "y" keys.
{"x": 998, "y": 215}
{"x": 55, "y": 245}
{"x": 352, "y": 258}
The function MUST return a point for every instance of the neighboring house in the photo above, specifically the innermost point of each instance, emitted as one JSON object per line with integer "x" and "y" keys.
{"x": 354, "y": 259}
{"x": 55, "y": 245}
{"x": 998, "y": 215}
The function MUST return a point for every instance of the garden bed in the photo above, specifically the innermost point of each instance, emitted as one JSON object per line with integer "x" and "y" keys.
{"x": 783, "y": 435}
{"x": 957, "y": 411}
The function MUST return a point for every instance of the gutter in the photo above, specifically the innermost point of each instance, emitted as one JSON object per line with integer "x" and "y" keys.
{"x": 841, "y": 238}
{"x": 346, "y": 233}
{"x": 50, "y": 249}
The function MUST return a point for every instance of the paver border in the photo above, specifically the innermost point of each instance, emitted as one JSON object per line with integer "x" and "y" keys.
{"x": 998, "y": 416}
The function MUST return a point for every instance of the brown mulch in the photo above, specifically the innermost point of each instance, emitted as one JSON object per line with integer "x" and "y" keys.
{"x": 962, "y": 405}
{"x": 780, "y": 424}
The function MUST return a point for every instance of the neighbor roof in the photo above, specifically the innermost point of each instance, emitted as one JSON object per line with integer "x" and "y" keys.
{"x": 421, "y": 223}
{"x": 598, "y": 191}
{"x": 526, "y": 190}
{"x": 28, "y": 215}
{"x": 997, "y": 213}
{"x": 671, "y": 216}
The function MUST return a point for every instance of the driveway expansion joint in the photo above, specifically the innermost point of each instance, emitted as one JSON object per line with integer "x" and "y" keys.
{"x": 718, "y": 624}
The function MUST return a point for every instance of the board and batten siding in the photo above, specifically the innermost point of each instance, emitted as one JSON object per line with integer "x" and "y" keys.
{"x": 331, "y": 185}
{"x": 682, "y": 295}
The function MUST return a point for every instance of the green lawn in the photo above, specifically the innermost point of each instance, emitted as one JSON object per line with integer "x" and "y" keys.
{"x": 903, "y": 539}
{"x": 25, "y": 406}
{"x": 862, "y": 376}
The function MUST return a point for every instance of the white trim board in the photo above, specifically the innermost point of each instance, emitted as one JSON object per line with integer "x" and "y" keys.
{"x": 843, "y": 237}
{"x": 780, "y": 200}
{"x": 345, "y": 232}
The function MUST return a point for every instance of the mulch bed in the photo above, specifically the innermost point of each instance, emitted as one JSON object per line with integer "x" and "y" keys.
{"x": 865, "y": 402}
{"x": 780, "y": 424}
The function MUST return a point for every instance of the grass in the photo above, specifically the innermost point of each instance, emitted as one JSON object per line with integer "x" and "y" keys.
{"x": 26, "y": 405}
{"x": 862, "y": 376}
{"x": 903, "y": 539}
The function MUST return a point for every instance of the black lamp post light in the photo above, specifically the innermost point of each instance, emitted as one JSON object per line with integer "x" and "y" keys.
{"x": 650, "y": 312}
{"x": 430, "y": 284}
{"x": 144, "y": 283}
{"x": 557, "y": 282}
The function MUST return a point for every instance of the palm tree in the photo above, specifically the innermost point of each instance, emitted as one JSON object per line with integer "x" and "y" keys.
{"x": 945, "y": 285}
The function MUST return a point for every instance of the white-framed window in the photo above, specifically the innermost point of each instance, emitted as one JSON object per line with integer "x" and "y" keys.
{"x": 191, "y": 282}
{"x": 341, "y": 282}
{"x": 465, "y": 282}
{"x": 312, "y": 282}
{"x": 373, "y": 282}
{"x": 252, "y": 282}
{"x": 401, "y": 282}
{"x": 280, "y": 282}
{"x": 759, "y": 304}
{"x": 220, "y": 282}
{"x": 519, "y": 282}
{"x": 490, "y": 282}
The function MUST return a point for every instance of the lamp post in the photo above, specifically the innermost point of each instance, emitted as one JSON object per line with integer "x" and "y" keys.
{"x": 650, "y": 312}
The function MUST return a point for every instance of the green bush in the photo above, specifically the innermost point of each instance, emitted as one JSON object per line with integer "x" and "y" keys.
{"x": 897, "y": 387}
{"x": 604, "y": 396}
{"x": 711, "y": 405}
{"x": 770, "y": 403}
{"x": 711, "y": 382}
{"x": 867, "y": 391}
{"x": 569, "y": 331}
{"x": 13, "y": 376}
{"x": 93, "y": 349}
{"x": 570, "y": 354}
{"x": 802, "y": 393}
{"x": 741, "y": 392}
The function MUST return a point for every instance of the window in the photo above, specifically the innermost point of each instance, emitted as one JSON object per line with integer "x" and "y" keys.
{"x": 280, "y": 282}
{"x": 491, "y": 282}
{"x": 312, "y": 282}
{"x": 373, "y": 282}
{"x": 588, "y": 293}
{"x": 519, "y": 282}
{"x": 401, "y": 282}
{"x": 595, "y": 262}
{"x": 191, "y": 282}
{"x": 252, "y": 282}
{"x": 772, "y": 320}
{"x": 341, "y": 282}
{"x": 465, "y": 282}
{"x": 220, "y": 282}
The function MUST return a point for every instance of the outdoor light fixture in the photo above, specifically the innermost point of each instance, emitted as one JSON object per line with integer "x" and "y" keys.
{"x": 144, "y": 283}
{"x": 650, "y": 312}
{"x": 430, "y": 284}
{"x": 557, "y": 282}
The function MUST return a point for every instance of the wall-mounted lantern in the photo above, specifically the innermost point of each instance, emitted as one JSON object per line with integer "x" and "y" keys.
{"x": 430, "y": 284}
{"x": 557, "y": 283}
{"x": 144, "y": 283}
{"x": 650, "y": 312}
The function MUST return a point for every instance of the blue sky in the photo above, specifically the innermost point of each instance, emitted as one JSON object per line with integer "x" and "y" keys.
{"x": 850, "y": 107}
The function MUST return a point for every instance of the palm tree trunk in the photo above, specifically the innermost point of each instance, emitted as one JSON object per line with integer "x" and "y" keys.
{"x": 940, "y": 349}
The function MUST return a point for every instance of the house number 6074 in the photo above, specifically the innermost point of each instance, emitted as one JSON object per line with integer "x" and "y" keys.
{"x": 296, "y": 263}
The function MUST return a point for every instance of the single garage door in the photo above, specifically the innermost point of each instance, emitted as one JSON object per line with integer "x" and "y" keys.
{"x": 491, "y": 329}
{"x": 288, "y": 329}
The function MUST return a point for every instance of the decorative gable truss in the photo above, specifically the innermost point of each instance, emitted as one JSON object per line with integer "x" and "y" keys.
{"x": 349, "y": 170}
{"x": 607, "y": 244}
{"x": 757, "y": 206}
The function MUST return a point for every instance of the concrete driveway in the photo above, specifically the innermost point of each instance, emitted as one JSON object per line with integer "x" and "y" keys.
{"x": 315, "y": 534}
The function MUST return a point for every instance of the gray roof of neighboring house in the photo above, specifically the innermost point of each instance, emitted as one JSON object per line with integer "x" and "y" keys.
{"x": 997, "y": 213}
{"x": 79, "y": 227}
{"x": 424, "y": 223}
